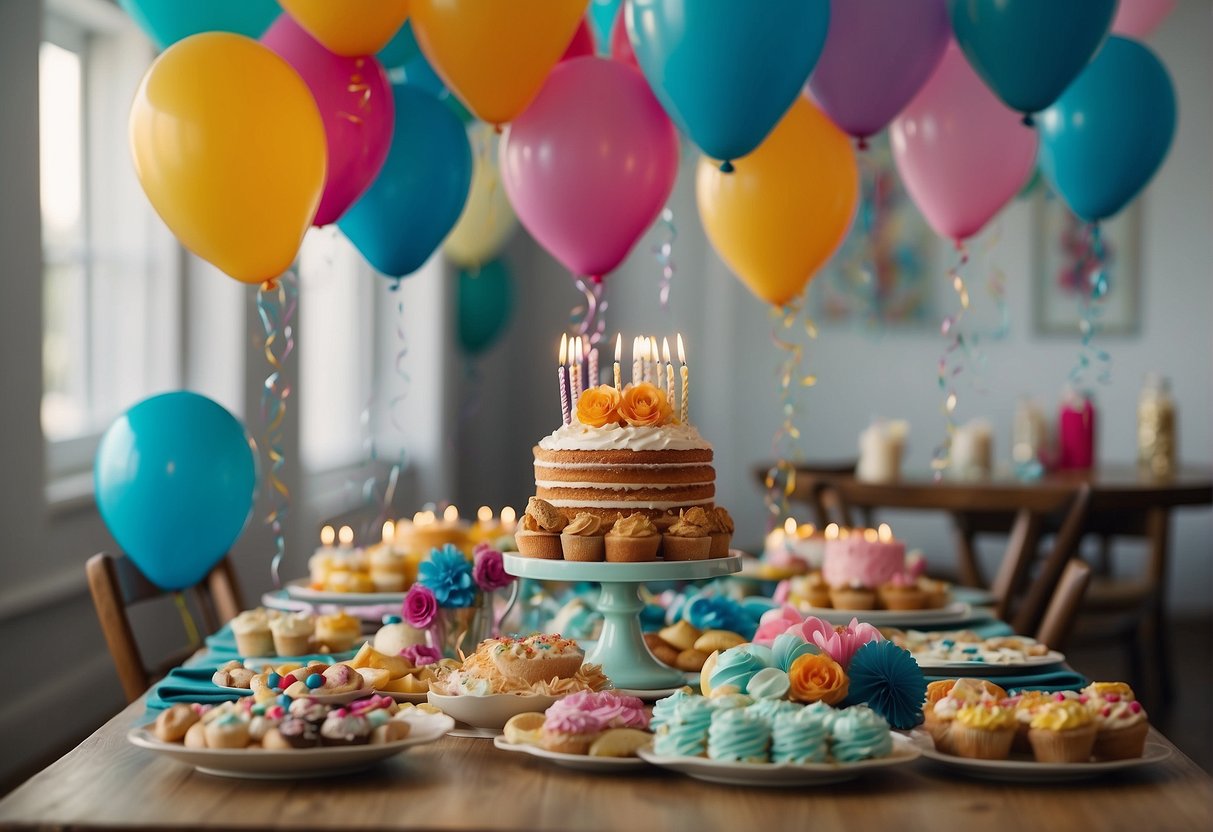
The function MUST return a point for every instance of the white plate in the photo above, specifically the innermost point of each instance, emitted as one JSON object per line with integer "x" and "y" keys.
{"x": 1022, "y": 770}
{"x": 978, "y": 668}
{"x": 581, "y": 762}
{"x": 258, "y": 663}
{"x": 489, "y": 714}
{"x": 300, "y": 590}
{"x": 776, "y": 775}
{"x": 260, "y": 764}
{"x": 953, "y": 613}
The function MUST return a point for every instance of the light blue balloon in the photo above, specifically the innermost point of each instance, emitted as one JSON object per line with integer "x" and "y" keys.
{"x": 168, "y": 21}
{"x": 727, "y": 70}
{"x": 602, "y": 18}
{"x": 401, "y": 49}
{"x": 1028, "y": 51}
{"x": 1107, "y": 135}
{"x": 418, "y": 73}
{"x": 174, "y": 478}
{"x": 419, "y": 194}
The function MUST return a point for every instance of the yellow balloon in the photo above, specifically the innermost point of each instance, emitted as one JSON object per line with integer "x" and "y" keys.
{"x": 494, "y": 55}
{"x": 488, "y": 219}
{"x": 349, "y": 27}
{"x": 229, "y": 147}
{"x": 786, "y": 208}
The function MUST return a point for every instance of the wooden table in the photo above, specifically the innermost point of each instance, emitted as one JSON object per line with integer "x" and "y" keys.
{"x": 457, "y": 784}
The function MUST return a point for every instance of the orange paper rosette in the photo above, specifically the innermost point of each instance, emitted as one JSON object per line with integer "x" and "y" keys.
{"x": 818, "y": 678}
{"x": 598, "y": 406}
{"x": 644, "y": 405}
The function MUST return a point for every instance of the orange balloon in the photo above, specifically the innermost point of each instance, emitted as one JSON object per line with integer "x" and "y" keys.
{"x": 229, "y": 147}
{"x": 786, "y": 208}
{"x": 349, "y": 27}
{"x": 495, "y": 55}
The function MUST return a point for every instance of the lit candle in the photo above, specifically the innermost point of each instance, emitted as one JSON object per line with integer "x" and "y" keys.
{"x": 484, "y": 515}
{"x": 563, "y": 375}
{"x": 885, "y": 533}
{"x": 637, "y": 366}
{"x": 575, "y": 372}
{"x": 583, "y": 353}
{"x": 345, "y": 536}
{"x": 685, "y": 414}
{"x": 871, "y": 535}
{"x": 669, "y": 370}
{"x": 647, "y": 350}
{"x": 389, "y": 531}
{"x": 594, "y": 377}
{"x": 509, "y": 518}
{"x": 327, "y": 535}
{"x": 789, "y": 526}
{"x": 450, "y": 514}
{"x": 618, "y": 356}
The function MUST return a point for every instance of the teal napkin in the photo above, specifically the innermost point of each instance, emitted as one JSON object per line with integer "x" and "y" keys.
{"x": 190, "y": 684}
{"x": 1062, "y": 678}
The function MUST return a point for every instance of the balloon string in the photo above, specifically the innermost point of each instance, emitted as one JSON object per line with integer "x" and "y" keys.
{"x": 396, "y": 407}
{"x": 1093, "y": 267}
{"x": 951, "y": 362}
{"x": 590, "y": 319}
{"x": 996, "y": 288}
{"x": 187, "y": 620}
{"x": 664, "y": 252}
{"x": 785, "y": 443}
{"x": 276, "y": 303}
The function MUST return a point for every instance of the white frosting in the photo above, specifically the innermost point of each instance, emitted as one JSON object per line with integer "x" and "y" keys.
{"x": 651, "y": 505}
{"x": 639, "y": 466}
{"x": 578, "y": 437}
{"x": 618, "y": 486}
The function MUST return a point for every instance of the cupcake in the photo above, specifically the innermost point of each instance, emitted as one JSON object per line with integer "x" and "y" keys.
{"x": 800, "y": 735}
{"x": 983, "y": 731}
{"x": 944, "y": 700}
{"x": 936, "y": 594}
{"x": 1025, "y": 705}
{"x": 389, "y": 568}
{"x": 337, "y": 632}
{"x": 292, "y": 633}
{"x": 1120, "y": 720}
{"x": 1062, "y": 732}
{"x": 688, "y": 537}
{"x": 539, "y": 536}
{"x": 721, "y": 533}
{"x": 582, "y": 540}
{"x": 859, "y": 733}
{"x": 252, "y": 631}
{"x": 632, "y": 539}
{"x": 902, "y": 593}
{"x": 852, "y": 598}
{"x": 739, "y": 736}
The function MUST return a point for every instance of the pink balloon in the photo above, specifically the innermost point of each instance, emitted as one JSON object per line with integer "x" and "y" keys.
{"x": 356, "y": 105}
{"x": 582, "y": 43}
{"x": 621, "y": 47}
{"x": 1138, "y": 18}
{"x": 961, "y": 153}
{"x": 590, "y": 163}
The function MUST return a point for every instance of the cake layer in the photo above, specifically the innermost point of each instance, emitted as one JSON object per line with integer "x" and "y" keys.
{"x": 622, "y": 475}
{"x": 651, "y": 497}
{"x": 579, "y": 437}
{"x": 588, "y": 458}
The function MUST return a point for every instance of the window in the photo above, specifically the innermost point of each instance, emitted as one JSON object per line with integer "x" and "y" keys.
{"x": 111, "y": 270}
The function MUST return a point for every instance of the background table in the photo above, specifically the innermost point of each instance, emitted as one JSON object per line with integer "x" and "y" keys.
{"x": 459, "y": 784}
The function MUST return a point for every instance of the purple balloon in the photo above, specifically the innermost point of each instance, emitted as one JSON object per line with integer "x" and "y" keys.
{"x": 878, "y": 54}
{"x": 356, "y": 105}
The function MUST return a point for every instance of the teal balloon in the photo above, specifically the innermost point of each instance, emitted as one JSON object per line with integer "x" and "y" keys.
{"x": 1028, "y": 51}
{"x": 401, "y": 49}
{"x": 418, "y": 73}
{"x": 727, "y": 70}
{"x": 174, "y": 479}
{"x": 1110, "y": 131}
{"x": 168, "y": 21}
{"x": 602, "y": 18}
{"x": 486, "y": 299}
{"x": 419, "y": 194}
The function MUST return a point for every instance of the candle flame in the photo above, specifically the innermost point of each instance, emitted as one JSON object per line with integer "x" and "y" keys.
{"x": 871, "y": 535}
{"x": 682, "y": 356}
{"x": 450, "y": 514}
{"x": 484, "y": 514}
{"x": 885, "y": 532}
{"x": 345, "y": 535}
{"x": 618, "y": 347}
{"x": 665, "y": 350}
{"x": 389, "y": 531}
{"x": 508, "y": 515}
{"x": 832, "y": 531}
{"x": 564, "y": 350}
{"x": 654, "y": 353}
{"x": 808, "y": 530}
{"x": 577, "y": 354}
{"x": 327, "y": 535}
{"x": 789, "y": 525}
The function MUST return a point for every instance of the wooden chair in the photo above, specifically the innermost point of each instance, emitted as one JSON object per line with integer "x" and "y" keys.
{"x": 1064, "y": 606}
{"x": 117, "y": 584}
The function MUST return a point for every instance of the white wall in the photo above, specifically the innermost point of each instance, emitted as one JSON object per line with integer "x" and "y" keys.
{"x": 861, "y": 374}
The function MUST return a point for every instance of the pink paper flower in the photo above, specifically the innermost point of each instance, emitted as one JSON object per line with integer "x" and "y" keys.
{"x": 775, "y": 623}
{"x": 422, "y": 654}
{"x": 420, "y": 606}
{"x": 489, "y": 569}
{"x": 783, "y": 589}
{"x": 839, "y": 643}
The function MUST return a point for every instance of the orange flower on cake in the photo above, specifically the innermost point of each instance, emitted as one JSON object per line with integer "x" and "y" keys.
{"x": 598, "y": 406}
{"x": 817, "y": 678}
{"x": 645, "y": 406}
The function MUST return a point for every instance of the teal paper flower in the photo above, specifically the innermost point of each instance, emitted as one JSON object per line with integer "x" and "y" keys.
{"x": 448, "y": 574}
{"x": 886, "y": 678}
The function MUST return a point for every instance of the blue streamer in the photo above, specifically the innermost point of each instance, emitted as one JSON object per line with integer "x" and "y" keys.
{"x": 276, "y": 304}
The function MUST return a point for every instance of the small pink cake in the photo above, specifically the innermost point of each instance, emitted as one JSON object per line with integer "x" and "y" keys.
{"x": 864, "y": 558}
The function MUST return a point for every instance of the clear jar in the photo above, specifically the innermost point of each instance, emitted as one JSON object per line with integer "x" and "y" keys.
{"x": 1156, "y": 439}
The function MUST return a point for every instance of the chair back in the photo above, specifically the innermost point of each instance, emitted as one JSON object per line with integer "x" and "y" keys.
{"x": 1063, "y": 606}
{"x": 116, "y": 584}
{"x": 1030, "y": 614}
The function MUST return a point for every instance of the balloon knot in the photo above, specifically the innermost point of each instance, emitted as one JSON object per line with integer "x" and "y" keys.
{"x": 596, "y": 279}
{"x": 269, "y": 285}
{"x": 497, "y": 128}
{"x": 726, "y": 167}
{"x": 862, "y": 144}
{"x": 1028, "y": 121}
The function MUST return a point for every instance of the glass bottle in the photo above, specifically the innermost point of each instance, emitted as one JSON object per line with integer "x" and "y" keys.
{"x": 1156, "y": 451}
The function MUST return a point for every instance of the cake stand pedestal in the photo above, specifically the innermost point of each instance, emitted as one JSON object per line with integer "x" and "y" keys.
{"x": 621, "y": 650}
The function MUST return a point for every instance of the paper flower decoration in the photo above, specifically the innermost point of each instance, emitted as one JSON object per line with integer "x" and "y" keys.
{"x": 889, "y": 681}
{"x": 420, "y": 606}
{"x": 840, "y": 643}
{"x": 489, "y": 569}
{"x": 789, "y": 647}
{"x": 776, "y": 622}
{"x": 719, "y": 612}
{"x": 422, "y": 654}
{"x": 448, "y": 575}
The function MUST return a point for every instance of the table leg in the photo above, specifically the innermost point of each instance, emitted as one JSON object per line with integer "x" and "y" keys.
{"x": 966, "y": 553}
{"x": 621, "y": 649}
{"x": 1152, "y": 630}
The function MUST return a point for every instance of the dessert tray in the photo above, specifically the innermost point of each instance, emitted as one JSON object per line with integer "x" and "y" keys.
{"x": 301, "y": 590}
{"x": 581, "y": 762}
{"x": 979, "y": 667}
{"x": 485, "y": 716}
{"x": 1022, "y": 769}
{"x": 260, "y": 764}
{"x": 776, "y": 775}
{"x": 954, "y": 613}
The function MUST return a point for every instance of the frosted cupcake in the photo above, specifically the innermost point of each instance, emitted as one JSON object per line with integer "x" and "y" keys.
{"x": 581, "y": 539}
{"x": 539, "y": 536}
{"x": 852, "y": 598}
{"x": 292, "y": 633}
{"x": 859, "y": 733}
{"x": 800, "y": 736}
{"x": 1120, "y": 721}
{"x": 1062, "y": 732}
{"x": 737, "y": 735}
{"x": 688, "y": 537}
{"x": 721, "y": 533}
{"x": 983, "y": 731}
{"x": 338, "y": 632}
{"x": 633, "y": 539}
{"x": 252, "y": 631}
{"x": 902, "y": 593}
{"x": 389, "y": 568}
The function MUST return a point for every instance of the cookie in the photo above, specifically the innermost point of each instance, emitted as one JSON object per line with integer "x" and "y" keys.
{"x": 524, "y": 729}
{"x": 713, "y": 640}
{"x": 620, "y": 742}
{"x": 172, "y": 725}
{"x": 691, "y": 660}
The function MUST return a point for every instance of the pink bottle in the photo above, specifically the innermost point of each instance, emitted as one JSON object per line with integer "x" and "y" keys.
{"x": 1076, "y": 432}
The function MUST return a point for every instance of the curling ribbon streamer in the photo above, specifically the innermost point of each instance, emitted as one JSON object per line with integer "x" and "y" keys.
{"x": 859, "y": 270}
{"x": 590, "y": 319}
{"x": 276, "y": 303}
{"x": 664, "y": 252}
{"x": 1093, "y": 263}
{"x": 187, "y": 620}
{"x": 785, "y": 444}
{"x": 951, "y": 363}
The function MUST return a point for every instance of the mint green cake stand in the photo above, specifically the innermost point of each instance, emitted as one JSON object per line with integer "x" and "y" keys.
{"x": 621, "y": 650}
